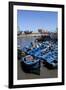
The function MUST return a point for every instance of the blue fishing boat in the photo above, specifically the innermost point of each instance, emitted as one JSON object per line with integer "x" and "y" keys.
{"x": 50, "y": 60}
{"x": 30, "y": 63}
{"x": 33, "y": 51}
{"x": 43, "y": 51}
{"x": 46, "y": 52}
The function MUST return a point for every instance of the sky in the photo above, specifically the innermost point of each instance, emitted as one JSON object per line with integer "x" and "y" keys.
{"x": 34, "y": 20}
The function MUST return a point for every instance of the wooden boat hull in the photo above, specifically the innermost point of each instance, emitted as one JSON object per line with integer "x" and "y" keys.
{"x": 29, "y": 66}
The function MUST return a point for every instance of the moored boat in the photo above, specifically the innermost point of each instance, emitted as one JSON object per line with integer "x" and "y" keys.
{"x": 47, "y": 52}
{"x": 27, "y": 32}
{"x": 50, "y": 60}
{"x": 30, "y": 63}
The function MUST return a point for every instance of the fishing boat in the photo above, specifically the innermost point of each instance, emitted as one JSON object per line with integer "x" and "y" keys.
{"x": 42, "y": 50}
{"x": 43, "y": 38}
{"x": 38, "y": 50}
{"x": 29, "y": 63}
{"x": 40, "y": 39}
{"x": 33, "y": 51}
{"x": 47, "y": 52}
{"x": 50, "y": 62}
{"x": 48, "y": 55}
{"x": 27, "y": 32}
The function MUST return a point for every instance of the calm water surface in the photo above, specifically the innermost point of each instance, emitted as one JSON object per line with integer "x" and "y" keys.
{"x": 25, "y": 41}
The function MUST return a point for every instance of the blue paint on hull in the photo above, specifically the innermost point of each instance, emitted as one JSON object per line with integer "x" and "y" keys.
{"x": 48, "y": 55}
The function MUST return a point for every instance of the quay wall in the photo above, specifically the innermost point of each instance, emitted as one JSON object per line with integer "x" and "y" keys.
{"x": 31, "y": 35}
